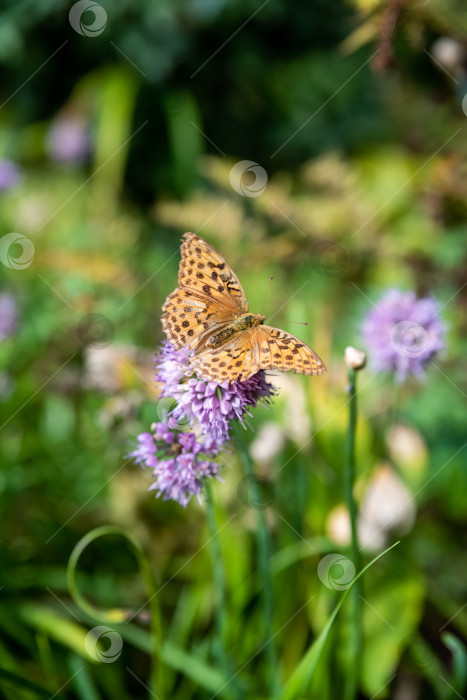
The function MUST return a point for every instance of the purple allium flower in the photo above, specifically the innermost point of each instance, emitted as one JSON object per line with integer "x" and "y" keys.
{"x": 8, "y": 315}
{"x": 208, "y": 404}
{"x": 180, "y": 462}
{"x": 68, "y": 140}
{"x": 10, "y": 174}
{"x": 404, "y": 333}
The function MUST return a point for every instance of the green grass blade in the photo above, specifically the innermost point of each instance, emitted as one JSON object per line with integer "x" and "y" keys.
{"x": 10, "y": 679}
{"x": 82, "y": 681}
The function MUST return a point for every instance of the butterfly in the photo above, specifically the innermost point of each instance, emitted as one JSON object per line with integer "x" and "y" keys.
{"x": 208, "y": 313}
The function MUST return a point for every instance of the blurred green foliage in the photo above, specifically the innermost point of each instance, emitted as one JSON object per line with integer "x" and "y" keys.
{"x": 361, "y": 133}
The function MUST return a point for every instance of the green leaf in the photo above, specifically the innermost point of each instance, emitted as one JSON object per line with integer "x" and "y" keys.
{"x": 396, "y": 609}
{"x": 301, "y": 677}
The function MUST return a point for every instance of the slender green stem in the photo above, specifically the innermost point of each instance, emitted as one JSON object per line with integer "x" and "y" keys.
{"x": 394, "y": 413}
{"x": 220, "y": 617}
{"x": 349, "y": 479}
{"x": 264, "y": 564}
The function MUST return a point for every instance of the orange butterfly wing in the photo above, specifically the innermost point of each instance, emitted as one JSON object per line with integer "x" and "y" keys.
{"x": 204, "y": 270}
{"x": 262, "y": 347}
{"x": 190, "y": 317}
{"x": 209, "y": 295}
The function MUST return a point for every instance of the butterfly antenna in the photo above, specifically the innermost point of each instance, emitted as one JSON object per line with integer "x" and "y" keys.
{"x": 300, "y": 323}
{"x": 266, "y": 293}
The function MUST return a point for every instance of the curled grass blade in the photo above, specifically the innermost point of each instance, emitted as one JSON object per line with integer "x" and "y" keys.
{"x": 459, "y": 662}
{"x": 117, "y": 615}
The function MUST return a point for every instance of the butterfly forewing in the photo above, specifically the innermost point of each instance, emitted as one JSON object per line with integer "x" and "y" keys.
{"x": 209, "y": 296}
{"x": 189, "y": 318}
{"x": 203, "y": 270}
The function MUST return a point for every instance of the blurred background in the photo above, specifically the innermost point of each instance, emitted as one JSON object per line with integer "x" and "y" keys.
{"x": 120, "y": 124}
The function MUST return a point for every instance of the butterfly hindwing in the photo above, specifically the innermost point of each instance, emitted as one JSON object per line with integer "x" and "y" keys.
{"x": 236, "y": 358}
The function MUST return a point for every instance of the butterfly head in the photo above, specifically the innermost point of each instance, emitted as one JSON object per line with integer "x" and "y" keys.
{"x": 242, "y": 323}
{"x": 254, "y": 319}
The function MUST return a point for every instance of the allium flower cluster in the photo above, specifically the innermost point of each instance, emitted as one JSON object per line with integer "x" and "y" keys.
{"x": 210, "y": 405}
{"x": 403, "y": 333}
{"x": 180, "y": 462}
{"x": 181, "y": 467}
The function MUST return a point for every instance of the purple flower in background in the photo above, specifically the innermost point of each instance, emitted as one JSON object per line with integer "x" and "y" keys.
{"x": 8, "y": 315}
{"x": 210, "y": 405}
{"x": 180, "y": 462}
{"x": 10, "y": 174}
{"x": 404, "y": 333}
{"x": 68, "y": 140}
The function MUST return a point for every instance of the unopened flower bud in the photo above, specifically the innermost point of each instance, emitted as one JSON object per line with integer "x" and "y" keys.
{"x": 354, "y": 359}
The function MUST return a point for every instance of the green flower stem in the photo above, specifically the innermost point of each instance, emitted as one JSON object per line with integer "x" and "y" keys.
{"x": 352, "y": 684}
{"x": 264, "y": 564}
{"x": 219, "y": 580}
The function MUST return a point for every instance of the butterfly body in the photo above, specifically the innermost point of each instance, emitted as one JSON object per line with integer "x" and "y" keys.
{"x": 209, "y": 314}
{"x": 242, "y": 323}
